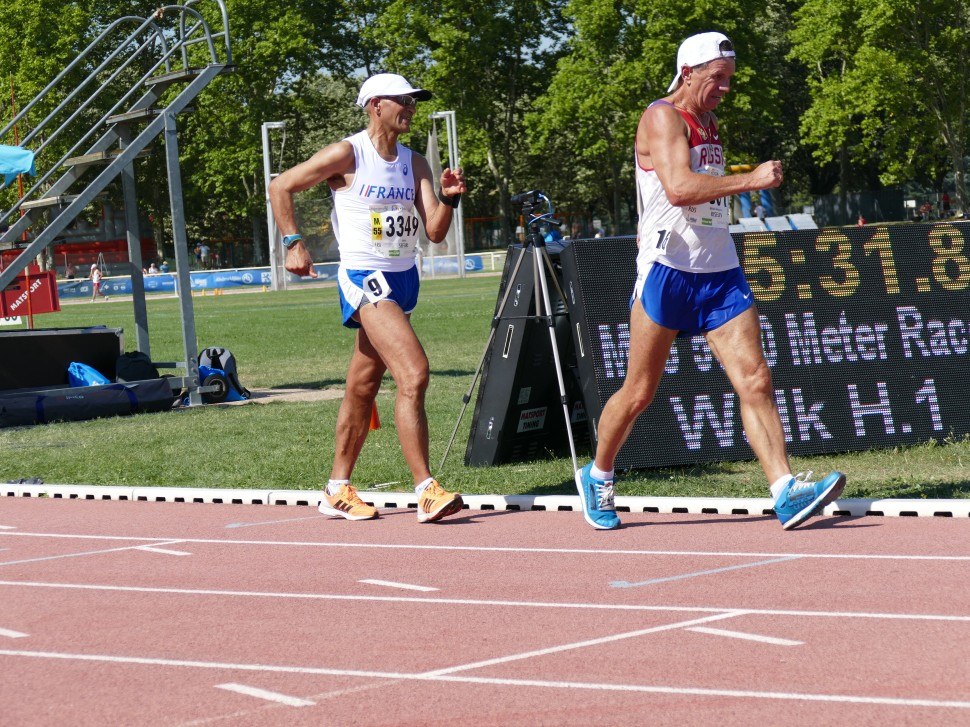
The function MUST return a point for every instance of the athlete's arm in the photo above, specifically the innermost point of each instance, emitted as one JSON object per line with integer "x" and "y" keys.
{"x": 435, "y": 215}
{"x": 662, "y": 138}
{"x": 334, "y": 163}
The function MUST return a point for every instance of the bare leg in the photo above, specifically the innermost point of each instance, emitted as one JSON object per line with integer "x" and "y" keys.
{"x": 353, "y": 421}
{"x": 649, "y": 348}
{"x": 737, "y": 345}
{"x": 389, "y": 332}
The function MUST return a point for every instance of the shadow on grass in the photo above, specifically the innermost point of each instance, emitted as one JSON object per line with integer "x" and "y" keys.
{"x": 322, "y": 384}
{"x": 915, "y": 491}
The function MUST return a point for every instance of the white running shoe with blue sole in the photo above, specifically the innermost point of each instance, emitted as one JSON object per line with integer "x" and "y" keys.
{"x": 596, "y": 495}
{"x": 800, "y": 499}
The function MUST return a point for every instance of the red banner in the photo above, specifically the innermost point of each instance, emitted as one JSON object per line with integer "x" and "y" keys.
{"x": 29, "y": 295}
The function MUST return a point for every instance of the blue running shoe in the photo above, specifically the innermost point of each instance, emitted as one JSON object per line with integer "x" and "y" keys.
{"x": 597, "y": 498}
{"x": 801, "y": 499}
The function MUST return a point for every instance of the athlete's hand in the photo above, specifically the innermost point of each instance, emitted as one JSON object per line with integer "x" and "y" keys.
{"x": 453, "y": 182}
{"x": 767, "y": 175}
{"x": 299, "y": 262}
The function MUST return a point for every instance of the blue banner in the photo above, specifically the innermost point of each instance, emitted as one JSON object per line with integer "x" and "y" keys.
{"x": 201, "y": 280}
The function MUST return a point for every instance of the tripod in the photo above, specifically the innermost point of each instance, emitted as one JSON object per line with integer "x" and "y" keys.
{"x": 542, "y": 265}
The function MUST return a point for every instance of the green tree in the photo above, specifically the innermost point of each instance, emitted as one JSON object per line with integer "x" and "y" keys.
{"x": 892, "y": 75}
{"x": 486, "y": 61}
{"x": 622, "y": 55}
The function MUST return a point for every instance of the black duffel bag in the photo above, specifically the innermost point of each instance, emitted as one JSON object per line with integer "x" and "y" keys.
{"x": 87, "y": 402}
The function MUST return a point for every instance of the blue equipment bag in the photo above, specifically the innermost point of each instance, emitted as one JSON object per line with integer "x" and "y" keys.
{"x": 80, "y": 374}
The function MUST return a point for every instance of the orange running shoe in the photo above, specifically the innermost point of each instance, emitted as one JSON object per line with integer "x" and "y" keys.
{"x": 435, "y": 502}
{"x": 346, "y": 504}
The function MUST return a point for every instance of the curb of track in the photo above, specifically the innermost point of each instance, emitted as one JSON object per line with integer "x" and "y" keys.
{"x": 888, "y": 507}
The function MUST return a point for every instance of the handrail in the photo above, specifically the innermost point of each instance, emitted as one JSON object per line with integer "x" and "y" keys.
{"x": 136, "y": 44}
{"x": 70, "y": 67}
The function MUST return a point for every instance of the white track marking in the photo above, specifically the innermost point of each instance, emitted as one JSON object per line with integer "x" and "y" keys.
{"x": 581, "y": 644}
{"x": 7, "y": 527}
{"x": 627, "y": 584}
{"x": 392, "y": 584}
{"x": 267, "y": 695}
{"x": 78, "y": 555}
{"x": 13, "y": 634}
{"x": 497, "y": 549}
{"x": 748, "y": 637}
{"x": 455, "y": 679}
{"x": 163, "y": 551}
{"x": 634, "y": 607}
{"x": 276, "y": 522}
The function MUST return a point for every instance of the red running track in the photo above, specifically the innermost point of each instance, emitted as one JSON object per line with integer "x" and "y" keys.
{"x": 125, "y": 613}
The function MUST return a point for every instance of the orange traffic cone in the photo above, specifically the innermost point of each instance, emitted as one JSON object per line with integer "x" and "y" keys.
{"x": 375, "y": 420}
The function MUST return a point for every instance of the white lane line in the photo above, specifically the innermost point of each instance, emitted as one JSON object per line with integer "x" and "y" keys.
{"x": 7, "y": 527}
{"x": 508, "y": 549}
{"x": 581, "y": 644}
{"x": 13, "y": 634}
{"x": 748, "y": 637}
{"x": 634, "y": 607}
{"x": 164, "y": 551}
{"x": 682, "y": 576}
{"x": 78, "y": 555}
{"x": 594, "y": 686}
{"x": 392, "y": 584}
{"x": 276, "y": 522}
{"x": 264, "y": 694}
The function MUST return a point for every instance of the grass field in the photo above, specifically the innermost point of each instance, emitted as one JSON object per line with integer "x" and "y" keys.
{"x": 293, "y": 339}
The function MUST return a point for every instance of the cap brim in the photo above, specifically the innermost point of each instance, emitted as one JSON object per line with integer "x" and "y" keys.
{"x": 422, "y": 95}
{"x": 673, "y": 84}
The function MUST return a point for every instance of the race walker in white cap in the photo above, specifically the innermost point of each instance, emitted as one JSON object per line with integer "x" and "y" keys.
{"x": 689, "y": 282}
{"x": 383, "y": 195}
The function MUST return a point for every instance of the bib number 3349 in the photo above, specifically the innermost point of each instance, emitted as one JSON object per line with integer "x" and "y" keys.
{"x": 394, "y": 231}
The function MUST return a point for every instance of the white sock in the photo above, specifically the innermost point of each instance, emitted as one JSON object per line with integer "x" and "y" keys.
{"x": 779, "y": 485}
{"x": 333, "y": 486}
{"x": 599, "y": 474}
{"x": 419, "y": 488}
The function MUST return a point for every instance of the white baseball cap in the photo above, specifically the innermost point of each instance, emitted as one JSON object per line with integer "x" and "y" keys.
{"x": 700, "y": 49}
{"x": 389, "y": 84}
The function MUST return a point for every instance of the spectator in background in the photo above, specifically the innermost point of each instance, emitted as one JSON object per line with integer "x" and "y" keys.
{"x": 164, "y": 266}
{"x": 861, "y": 221}
{"x": 95, "y": 277}
{"x": 153, "y": 268}
{"x": 70, "y": 272}
{"x": 204, "y": 255}
{"x": 759, "y": 211}
{"x": 945, "y": 205}
{"x": 198, "y": 255}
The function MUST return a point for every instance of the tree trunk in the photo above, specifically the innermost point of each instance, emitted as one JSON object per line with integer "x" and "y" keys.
{"x": 501, "y": 185}
{"x": 844, "y": 185}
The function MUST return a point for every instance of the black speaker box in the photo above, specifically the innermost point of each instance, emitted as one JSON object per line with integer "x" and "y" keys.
{"x": 518, "y": 411}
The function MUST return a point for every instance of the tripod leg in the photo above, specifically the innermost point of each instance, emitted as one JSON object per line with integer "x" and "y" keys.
{"x": 555, "y": 348}
{"x": 481, "y": 363}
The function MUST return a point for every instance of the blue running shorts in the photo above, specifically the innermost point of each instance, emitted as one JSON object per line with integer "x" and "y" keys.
{"x": 692, "y": 303}
{"x": 358, "y": 287}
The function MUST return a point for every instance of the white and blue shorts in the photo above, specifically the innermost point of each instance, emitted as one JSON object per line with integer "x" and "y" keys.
{"x": 358, "y": 287}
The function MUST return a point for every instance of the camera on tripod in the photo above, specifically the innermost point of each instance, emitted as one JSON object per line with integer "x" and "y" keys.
{"x": 532, "y": 201}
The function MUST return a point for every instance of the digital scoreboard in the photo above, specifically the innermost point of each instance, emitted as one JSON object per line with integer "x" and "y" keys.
{"x": 866, "y": 331}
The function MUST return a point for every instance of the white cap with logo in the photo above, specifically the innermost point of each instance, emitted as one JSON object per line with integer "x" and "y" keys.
{"x": 389, "y": 84}
{"x": 700, "y": 49}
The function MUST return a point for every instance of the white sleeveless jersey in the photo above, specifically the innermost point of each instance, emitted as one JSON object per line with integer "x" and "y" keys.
{"x": 374, "y": 219}
{"x": 693, "y": 238}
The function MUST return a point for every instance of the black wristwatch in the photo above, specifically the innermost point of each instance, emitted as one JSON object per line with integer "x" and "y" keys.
{"x": 290, "y": 240}
{"x": 452, "y": 201}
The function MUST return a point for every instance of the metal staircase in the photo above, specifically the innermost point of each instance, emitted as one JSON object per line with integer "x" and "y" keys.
{"x": 138, "y": 75}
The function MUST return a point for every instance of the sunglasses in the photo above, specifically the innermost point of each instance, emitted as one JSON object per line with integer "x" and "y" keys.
{"x": 403, "y": 100}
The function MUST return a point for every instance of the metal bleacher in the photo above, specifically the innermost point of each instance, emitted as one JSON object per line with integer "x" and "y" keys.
{"x": 124, "y": 91}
